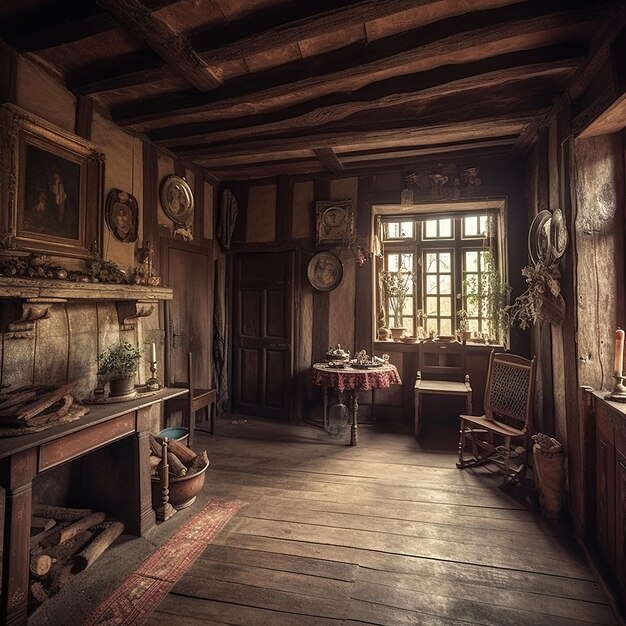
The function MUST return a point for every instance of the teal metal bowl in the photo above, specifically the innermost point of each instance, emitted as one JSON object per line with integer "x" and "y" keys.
{"x": 179, "y": 433}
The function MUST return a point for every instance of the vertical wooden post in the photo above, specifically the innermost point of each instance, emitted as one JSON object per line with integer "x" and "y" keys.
{"x": 166, "y": 510}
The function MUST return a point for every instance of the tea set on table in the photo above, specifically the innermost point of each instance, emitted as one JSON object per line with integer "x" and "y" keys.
{"x": 339, "y": 358}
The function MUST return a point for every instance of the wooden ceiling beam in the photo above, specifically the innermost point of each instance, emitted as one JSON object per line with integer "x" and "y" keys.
{"x": 557, "y": 62}
{"x": 173, "y": 47}
{"x": 457, "y": 40}
{"x": 481, "y": 127}
{"x": 328, "y": 159}
{"x": 258, "y": 33}
{"x": 60, "y": 23}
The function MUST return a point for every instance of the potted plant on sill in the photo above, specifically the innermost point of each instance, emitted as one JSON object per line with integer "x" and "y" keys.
{"x": 118, "y": 365}
{"x": 463, "y": 332}
{"x": 397, "y": 286}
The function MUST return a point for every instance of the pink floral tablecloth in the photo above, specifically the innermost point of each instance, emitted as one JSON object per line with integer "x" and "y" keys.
{"x": 350, "y": 378}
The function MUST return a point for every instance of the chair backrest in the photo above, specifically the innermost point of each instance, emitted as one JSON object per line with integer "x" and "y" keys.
{"x": 510, "y": 389}
{"x": 442, "y": 360}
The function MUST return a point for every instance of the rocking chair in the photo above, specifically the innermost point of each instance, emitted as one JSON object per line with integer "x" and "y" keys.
{"x": 508, "y": 405}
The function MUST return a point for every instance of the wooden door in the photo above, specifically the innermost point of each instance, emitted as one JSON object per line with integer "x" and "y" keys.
{"x": 605, "y": 489}
{"x": 262, "y": 334}
{"x": 620, "y": 513}
{"x": 187, "y": 270}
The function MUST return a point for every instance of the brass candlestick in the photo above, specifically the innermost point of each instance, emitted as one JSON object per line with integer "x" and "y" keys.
{"x": 619, "y": 390}
{"x": 152, "y": 383}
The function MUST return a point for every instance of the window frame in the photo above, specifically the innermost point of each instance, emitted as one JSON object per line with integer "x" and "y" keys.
{"x": 418, "y": 245}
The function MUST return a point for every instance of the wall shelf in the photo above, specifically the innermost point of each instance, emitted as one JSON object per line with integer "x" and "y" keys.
{"x": 28, "y": 300}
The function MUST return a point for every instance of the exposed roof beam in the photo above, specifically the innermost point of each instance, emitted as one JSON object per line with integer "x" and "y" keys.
{"x": 491, "y": 126}
{"x": 557, "y": 62}
{"x": 470, "y": 38}
{"x": 259, "y": 32}
{"x": 171, "y": 46}
{"x": 61, "y": 22}
{"x": 328, "y": 159}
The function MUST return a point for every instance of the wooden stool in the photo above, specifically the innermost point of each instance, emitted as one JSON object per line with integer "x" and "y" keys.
{"x": 196, "y": 400}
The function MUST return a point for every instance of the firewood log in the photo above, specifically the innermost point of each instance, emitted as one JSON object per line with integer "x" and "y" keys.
{"x": 43, "y": 402}
{"x": 35, "y": 540}
{"x": 10, "y": 400}
{"x": 184, "y": 454}
{"x": 177, "y": 469}
{"x": 88, "y": 555}
{"x": 40, "y": 565}
{"x": 199, "y": 463}
{"x": 38, "y": 593}
{"x": 60, "y": 575}
{"x": 155, "y": 446}
{"x": 60, "y": 513}
{"x": 65, "y": 551}
{"x": 43, "y": 523}
{"x": 62, "y": 535}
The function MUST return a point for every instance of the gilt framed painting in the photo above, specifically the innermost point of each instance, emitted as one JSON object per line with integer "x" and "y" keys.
{"x": 54, "y": 186}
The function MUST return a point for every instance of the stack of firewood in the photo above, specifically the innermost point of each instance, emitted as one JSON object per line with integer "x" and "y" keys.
{"x": 181, "y": 460}
{"x": 34, "y": 407}
{"x": 65, "y": 542}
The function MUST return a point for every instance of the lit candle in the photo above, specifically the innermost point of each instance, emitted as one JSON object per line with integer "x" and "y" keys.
{"x": 153, "y": 351}
{"x": 619, "y": 352}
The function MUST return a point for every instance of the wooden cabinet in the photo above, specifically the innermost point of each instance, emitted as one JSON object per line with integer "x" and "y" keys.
{"x": 610, "y": 483}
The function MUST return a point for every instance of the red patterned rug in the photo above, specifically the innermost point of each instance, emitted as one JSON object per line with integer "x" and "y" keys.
{"x": 132, "y": 602}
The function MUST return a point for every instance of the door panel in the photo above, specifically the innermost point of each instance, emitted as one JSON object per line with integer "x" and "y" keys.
{"x": 262, "y": 334}
{"x": 187, "y": 270}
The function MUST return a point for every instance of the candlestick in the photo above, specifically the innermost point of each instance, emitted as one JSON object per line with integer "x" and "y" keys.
{"x": 619, "y": 353}
{"x": 153, "y": 352}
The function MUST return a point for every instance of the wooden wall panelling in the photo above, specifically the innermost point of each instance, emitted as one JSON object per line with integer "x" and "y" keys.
{"x": 599, "y": 228}
{"x": 541, "y": 335}
{"x": 150, "y": 202}
{"x": 321, "y": 299}
{"x": 261, "y": 222}
{"x": 284, "y": 209}
{"x": 363, "y": 304}
{"x": 198, "y": 212}
{"x": 8, "y": 74}
{"x": 241, "y": 195}
{"x": 84, "y": 116}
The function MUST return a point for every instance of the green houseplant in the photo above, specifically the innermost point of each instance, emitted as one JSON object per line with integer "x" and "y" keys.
{"x": 463, "y": 330}
{"x": 118, "y": 365}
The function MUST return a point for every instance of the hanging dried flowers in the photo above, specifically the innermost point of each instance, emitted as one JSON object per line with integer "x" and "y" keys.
{"x": 542, "y": 300}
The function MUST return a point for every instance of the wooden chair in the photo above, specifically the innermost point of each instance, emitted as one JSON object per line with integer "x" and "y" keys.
{"x": 508, "y": 405}
{"x": 443, "y": 371}
{"x": 194, "y": 401}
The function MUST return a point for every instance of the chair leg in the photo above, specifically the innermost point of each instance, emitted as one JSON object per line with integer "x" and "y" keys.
{"x": 417, "y": 414}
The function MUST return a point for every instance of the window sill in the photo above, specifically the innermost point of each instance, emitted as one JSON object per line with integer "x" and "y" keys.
{"x": 399, "y": 346}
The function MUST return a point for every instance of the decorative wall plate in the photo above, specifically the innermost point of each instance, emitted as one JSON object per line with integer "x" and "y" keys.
{"x": 176, "y": 198}
{"x": 558, "y": 234}
{"x": 539, "y": 244}
{"x": 122, "y": 215}
{"x": 325, "y": 271}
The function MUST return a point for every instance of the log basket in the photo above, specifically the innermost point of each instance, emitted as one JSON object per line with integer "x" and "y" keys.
{"x": 183, "y": 490}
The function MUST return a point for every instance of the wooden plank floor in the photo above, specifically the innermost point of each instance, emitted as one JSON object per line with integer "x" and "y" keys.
{"x": 388, "y": 532}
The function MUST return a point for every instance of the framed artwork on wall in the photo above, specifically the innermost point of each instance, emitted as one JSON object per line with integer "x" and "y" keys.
{"x": 54, "y": 186}
{"x": 325, "y": 271}
{"x": 176, "y": 198}
{"x": 334, "y": 221}
{"x": 122, "y": 215}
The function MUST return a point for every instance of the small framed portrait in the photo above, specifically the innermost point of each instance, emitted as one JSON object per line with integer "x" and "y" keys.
{"x": 334, "y": 220}
{"x": 55, "y": 185}
{"x": 325, "y": 271}
{"x": 176, "y": 198}
{"x": 122, "y": 215}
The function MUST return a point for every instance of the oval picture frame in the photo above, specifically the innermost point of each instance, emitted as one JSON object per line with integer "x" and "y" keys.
{"x": 325, "y": 271}
{"x": 122, "y": 215}
{"x": 176, "y": 198}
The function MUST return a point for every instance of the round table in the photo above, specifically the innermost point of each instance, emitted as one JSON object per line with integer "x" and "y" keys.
{"x": 353, "y": 379}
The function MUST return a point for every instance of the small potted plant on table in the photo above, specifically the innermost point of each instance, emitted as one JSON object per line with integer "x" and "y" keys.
{"x": 118, "y": 365}
{"x": 397, "y": 285}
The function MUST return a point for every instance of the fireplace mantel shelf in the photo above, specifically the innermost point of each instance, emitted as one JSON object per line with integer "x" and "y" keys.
{"x": 30, "y": 299}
